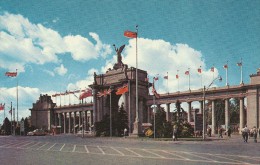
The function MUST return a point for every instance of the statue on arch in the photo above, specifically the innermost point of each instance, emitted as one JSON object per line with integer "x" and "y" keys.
{"x": 119, "y": 63}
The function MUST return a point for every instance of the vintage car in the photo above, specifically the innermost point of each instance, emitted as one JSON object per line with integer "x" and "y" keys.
{"x": 37, "y": 132}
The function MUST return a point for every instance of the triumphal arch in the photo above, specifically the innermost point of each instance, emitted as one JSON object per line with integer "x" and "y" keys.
{"x": 106, "y": 98}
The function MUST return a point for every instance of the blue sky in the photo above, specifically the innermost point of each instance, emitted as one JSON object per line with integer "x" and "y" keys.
{"x": 57, "y": 45}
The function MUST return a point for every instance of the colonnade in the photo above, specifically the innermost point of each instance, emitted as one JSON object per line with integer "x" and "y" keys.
{"x": 71, "y": 122}
{"x": 213, "y": 107}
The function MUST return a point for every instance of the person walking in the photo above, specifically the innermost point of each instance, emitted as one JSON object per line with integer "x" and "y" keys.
{"x": 229, "y": 132}
{"x": 254, "y": 131}
{"x": 245, "y": 132}
{"x": 175, "y": 133}
{"x": 220, "y": 131}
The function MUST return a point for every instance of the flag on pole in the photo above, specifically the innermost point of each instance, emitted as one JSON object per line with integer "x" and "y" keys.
{"x": 225, "y": 66}
{"x": 11, "y": 74}
{"x": 165, "y": 77}
{"x": 85, "y": 94}
{"x": 212, "y": 69}
{"x": 122, "y": 90}
{"x": 130, "y": 34}
{"x": 177, "y": 76}
{"x": 2, "y": 107}
{"x": 199, "y": 70}
{"x": 10, "y": 112}
{"x": 187, "y": 72}
{"x": 104, "y": 93}
{"x": 239, "y": 64}
{"x": 156, "y": 78}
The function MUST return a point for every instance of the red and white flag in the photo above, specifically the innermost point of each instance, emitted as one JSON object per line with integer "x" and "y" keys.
{"x": 239, "y": 64}
{"x": 212, "y": 69}
{"x": 122, "y": 90}
{"x": 11, "y": 74}
{"x": 177, "y": 76}
{"x": 187, "y": 72}
{"x": 104, "y": 93}
{"x": 156, "y": 78}
{"x": 2, "y": 107}
{"x": 225, "y": 66}
{"x": 199, "y": 70}
{"x": 10, "y": 112}
{"x": 130, "y": 34}
{"x": 85, "y": 94}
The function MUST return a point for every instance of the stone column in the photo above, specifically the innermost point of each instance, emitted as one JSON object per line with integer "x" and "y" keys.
{"x": 241, "y": 114}
{"x": 189, "y": 111}
{"x": 213, "y": 118}
{"x": 201, "y": 107}
{"x": 79, "y": 119}
{"x": 59, "y": 114}
{"x": 74, "y": 122}
{"x": 69, "y": 122}
{"x": 148, "y": 114}
{"x": 227, "y": 121}
{"x": 168, "y": 112}
{"x": 55, "y": 119}
{"x": 64, "y": 120}
{"x": 91, "y": 118}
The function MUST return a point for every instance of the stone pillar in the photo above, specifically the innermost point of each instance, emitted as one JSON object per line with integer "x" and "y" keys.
{"x": 189, "y": 111}
{"x": 213, "y": 118}
{"x": 227, "y": 121}
{"x": 55, "y": 119}
{"x": 79, "y": 119}
{"x": 59, "y": 114}
{"x": 168, "y": 112}
{"x": 64, "y": 120}
{"x": 94, "y": 105}
{"x": 241, "y": 115}
{"x": 148, "y": 114}
{"x": 69, "y": 122}
{"x": 74, "y": 122}
{"x": 91, "y": 118}
{"x": 201, "y": 107}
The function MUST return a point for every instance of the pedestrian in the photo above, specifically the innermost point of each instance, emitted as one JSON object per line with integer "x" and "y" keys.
{"x": 125, "y": 131}
{"x": 175, "y": 133}
{"x": 220, "y": 131}
{"x": 245, "y": 132}
{"x": 254, "y": 131}
{"x": 229, "y": 132}
{"x": 209, "y": 131}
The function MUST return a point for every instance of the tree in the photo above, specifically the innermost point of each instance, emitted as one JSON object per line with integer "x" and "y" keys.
{"x": 121, "y": 121}
{"x": 6, "y": 126}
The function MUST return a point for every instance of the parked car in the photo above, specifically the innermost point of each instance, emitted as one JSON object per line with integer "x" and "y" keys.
{"x": 37, "y": 132}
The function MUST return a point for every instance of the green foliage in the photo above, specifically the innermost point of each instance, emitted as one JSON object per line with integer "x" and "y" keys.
{"x": 103, "y": 126}
{"x": 121, "y": 121}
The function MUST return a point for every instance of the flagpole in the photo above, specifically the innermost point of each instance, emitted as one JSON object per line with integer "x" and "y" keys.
{"x": 167, "y": 83}
{"x": 189, "y": 78}
{"x": 11, "y": 119}
{"x": 241, "y": 70}
{"x": 227, "y": 74}
{"x": 178, "y": 80}
{"x": 17, "y": 97}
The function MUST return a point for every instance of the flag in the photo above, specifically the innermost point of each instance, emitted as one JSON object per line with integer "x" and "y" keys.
{"x": 2, "y": 106}
{"x": 165, "y": 77}
{"x": 225, "y": 66}
{"x": 11, "y": 74}
{"x": 187, "y": 72}
{"x": 156, "y": 78}
{"x": 54, "y": 95}
{"x": 177, "y": 76}
{"x": 85, "y": 94}
{"x": 239, "y": 64}
{"x": 199, "y": 70}
{"x": 130, "y": 34}
{"x": 122, "y": 90}
{"x": 212, "y": 69}
{"x": 104, "y": 93}
{"x": 10, "y": 112}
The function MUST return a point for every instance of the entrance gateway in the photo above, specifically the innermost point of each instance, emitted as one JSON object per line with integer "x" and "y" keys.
{"x": 117, "y": 77}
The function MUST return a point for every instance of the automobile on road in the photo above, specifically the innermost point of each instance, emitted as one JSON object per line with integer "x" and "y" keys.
{"x": 37, "y": 132}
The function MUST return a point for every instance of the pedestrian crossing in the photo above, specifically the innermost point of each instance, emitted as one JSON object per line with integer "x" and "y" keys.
{"x": 130, "y": 152}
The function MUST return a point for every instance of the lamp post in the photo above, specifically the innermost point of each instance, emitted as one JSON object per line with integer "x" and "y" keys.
{"x": 110, "y": 111}
{"x": 204, "y": 99}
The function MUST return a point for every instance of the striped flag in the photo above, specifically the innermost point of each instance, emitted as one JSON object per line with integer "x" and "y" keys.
{"x": 130, "y": 34}
{"x": 11, "y": 74}
{"x": 225, "y": 66}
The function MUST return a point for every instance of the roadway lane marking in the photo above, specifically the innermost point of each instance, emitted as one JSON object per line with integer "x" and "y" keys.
{"x": 202, "y": 157}
{"x": 121, "y": 153}
{"x": 174, "y": 154}
{"x": 74, "y": 148}
{"x": 33, "y": 145}
{"x": 223, "y": 157}
{"x": 86, "y": 148}
{"x": 62, "y": 147}
{"x": 51, "y": 146}
{"x": 101, "y": 150}
{"x": 16, "y": 144}
{"x": 42, "y": 146}
{"x": 133, "y": 152}
{"x": 22, "y": 146}
{"x": 160, "y": 156}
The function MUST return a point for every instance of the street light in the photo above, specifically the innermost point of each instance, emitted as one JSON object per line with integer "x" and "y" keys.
{"x": 204, "y": 98}
{"x": 111, "y": 88}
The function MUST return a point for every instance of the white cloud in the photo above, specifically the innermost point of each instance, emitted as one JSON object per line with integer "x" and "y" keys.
{"x": 61, "y": 70}
{"x": 24, "y": 42}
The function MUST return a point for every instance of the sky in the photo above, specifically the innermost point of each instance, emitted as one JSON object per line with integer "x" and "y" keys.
{"x": 58, "y": 45}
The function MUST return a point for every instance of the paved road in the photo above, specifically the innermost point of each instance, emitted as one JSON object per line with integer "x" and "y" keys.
{"x": 69, "y": 149}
